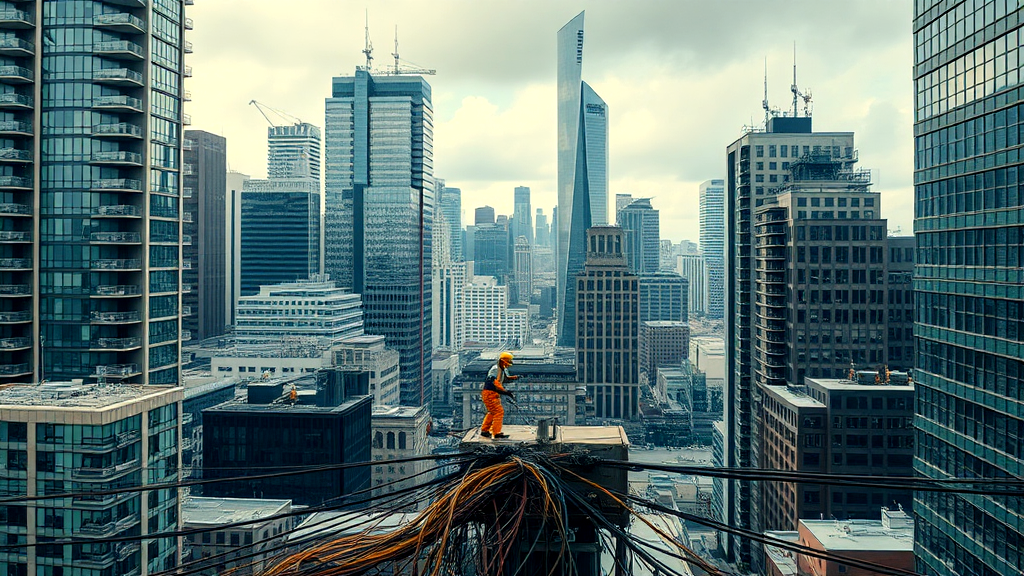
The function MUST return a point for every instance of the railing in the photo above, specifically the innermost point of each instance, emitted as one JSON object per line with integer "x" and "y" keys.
{"x": 15, "y": 343}
{"x": 17, "y": 99}
{"x": 186, "y": 288}
{"x": 116, "y": 290}
{"x": 186, "y": 335}
{"x": 164, "y": 189}
{"x": 186, "y": 311}
{"x": 115, "y": 19}
{"x": 12, "y": 369}
{"x": 186, "y": 192}
{"x": 189, "y": 24}
{"x": 14, "y": 181}
{"x": 118, "y": 343}
{"x": 163, "y": 238}
{"x": 119, "y": 129}
{"x": 15, "y": 289}
{"x": 117, "y": 156}
{"x": 15, "y": 154}
{"x": 9, "y": 208}
{"x": 163, "y": 212}
{"x": 186, "y": 95}
{"x": 17, "y": 44}
{"x": 115, "y": 317}
{"x": 15, "y": 263}
{"x": 187, "y": 46}
{"x": 15, "y": 316}
{"x": 186, "y": 264}
{"x": 116, "y": 237}
{"x": 186, "y": 239}
{"x": 15, "y": 236}
{"x": 186, "y": 217}
{"x": 11, "y": 15}
{"x": 117, "y": 210}
{"x": 119, "y": 74}
{"x": 117, "y": 184}
{"x": 118, "y": 370}
{"x": 16, "y": 126}
{"x": 17, "y": 72}
{"x": 117, "y": 102}
{"x": 126, "y": 549}
{"x": 118, "y": 46}
{"x": 116, "y": 264}
{"x": 186, "y": 119}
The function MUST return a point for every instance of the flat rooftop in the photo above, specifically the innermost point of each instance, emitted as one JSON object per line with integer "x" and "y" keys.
{"x": 526, "y": 367}
{"x": 325, "y": 524}
{"x": 794, "y": 397}
{"x": 784, "y": 560}
{"x": 519, "y": 434}
{"x": 77, "y": 395}
{"x": 397, "y": 411}
{"x": 284, "y": 405}
{"x": 219, "y": 511}
{"x": 843, "y": 384}
{"x": 860, "y": 535}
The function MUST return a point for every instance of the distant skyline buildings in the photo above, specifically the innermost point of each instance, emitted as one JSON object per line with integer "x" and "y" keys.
{"x": 640, "y": 224}
{"x": 380, "y": 210}
{"x": 294, "y": 152}
{"x": 522, "y": 215}
{"x": 711, "y": 197}
{"x": 483, "y": 215}
{"x": 582, "y": 170}
{"x": 449, "y": 203}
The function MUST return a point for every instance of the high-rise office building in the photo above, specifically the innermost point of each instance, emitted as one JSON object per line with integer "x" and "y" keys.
{"x": 694, "y": 269}
{"x": 483, "y": 215}
{"x": 294, "y": 152}
{"x": 640, "y": 224}
{"x": 449, "y": 203}
{"x": 712, "y": 242}
{"x": 621, "y": 201}
{"x": 235, "y": 185}
{"x": 204, "y": 275}
{"x": 449, "y": 277}
{"x": 522, "y": 215}
{"x": 553, "y": 234}
{"x": 487, "y": 318}
{"x": 541, "y": 229}
{"x": 491, "y": 252}
{"x": 970, "y": 400}
{"x": 663, "y": 297}
{"x": 101, "y": 438}
{"x": 609, "y": 304}
{"x": 757, "y": 164}
{"x": 287, "y": 210}
{"x": 522, "y": 271}
{"x": 315, "y": 311}
{"x": 582, "y": 171}
{"x": 92, "y": 112}
{"x": 380, "y": 210}
{"x": 662, "y": 343}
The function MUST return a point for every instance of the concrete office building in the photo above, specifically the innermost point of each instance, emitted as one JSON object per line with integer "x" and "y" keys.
{"x": 100, "y": 438}
{"x": 491, "y": 253}
{"x": 204, "y": 256}
{"x": 522, "y": 215}
{"x": 522, "y": 273}
{"x": 969, "y": 109}
{"x": 235, "y": 185}
{"x": 367, "y": 353}
{"x": 582, "y": 171}
{"x": 448, "y": 279}
{"x": 380, "y": 211}
{"x": 662, "y": 344}
{"x": 449, "y": 204}
{"x": 201, "y": 392}
{"x": 294, "y": 152}
{"x": 91, "y": 171}
{"x": 245, "y": 549}
{"x": 640, "y": 224}
{"x": 399, "y": 432}
{"x": 694, "y": 269}
{"x": 663, "y": 297}
{"x": 313, "y": 311}
{"x": 545, "y": 389}
{"x": 328, "y": 424}
{"x": 287, "y": 210}
{"x": 608, "y": 326}
{"x": 486, "y": 317}
{"x": 712, "y": 242}
{"x": 757, "y": 164}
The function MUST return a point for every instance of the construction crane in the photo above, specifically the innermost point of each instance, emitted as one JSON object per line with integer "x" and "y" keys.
{"x": 409, "y": 67}
{"x": 263, "y": 108}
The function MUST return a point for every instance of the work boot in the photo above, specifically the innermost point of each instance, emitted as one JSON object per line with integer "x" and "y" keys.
{"x": 500, "y": 436}
{"x": 485, "y": 434}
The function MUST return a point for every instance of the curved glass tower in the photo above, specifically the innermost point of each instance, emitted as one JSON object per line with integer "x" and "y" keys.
{"x": 582, "y": 170}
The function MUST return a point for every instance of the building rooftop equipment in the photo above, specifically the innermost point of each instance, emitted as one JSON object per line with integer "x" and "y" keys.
{"x": 77, "y": 395}
{"x": 220, "y": 511}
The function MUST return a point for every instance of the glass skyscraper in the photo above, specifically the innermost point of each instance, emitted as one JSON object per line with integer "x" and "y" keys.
{"x": 641, "y": 231}
{"x": 280, "y": 232}
{"x": 712, "y": 242}
{"x": 380, "y": 206}
{"x": 90, "y": 164}
{"x": 294, "y": 152}
{"x": 969, "y": 284}
{"x": 449, "y": 202}
{"x": 582, "y": 170}
{"x": 522, "y": 215}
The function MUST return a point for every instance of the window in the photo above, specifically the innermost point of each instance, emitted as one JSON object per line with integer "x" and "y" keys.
{"x": 401, "y": 440}
{"x": 801, "y": 202}
{"x": 391, "y": 440}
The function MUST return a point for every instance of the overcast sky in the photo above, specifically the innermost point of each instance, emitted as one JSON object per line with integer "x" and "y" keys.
{"x": 681, "y": 79}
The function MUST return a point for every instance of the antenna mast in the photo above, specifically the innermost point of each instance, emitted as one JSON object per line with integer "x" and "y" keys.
{"x": 764, "y": 102}
{"x": 395, "y": 53}
{"x": 368, "y": 46}
{"x": 793, "y": 88}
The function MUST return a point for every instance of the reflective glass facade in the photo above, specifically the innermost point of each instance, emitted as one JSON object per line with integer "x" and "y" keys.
{"x": 640, "y": 224}
{"x": 582, "y": 171}
{"x": 90, "y": 123}
{"x": 280, "y": 227}
{"x": 449, "y": 201}
{"x": 379, "y": 183}
{"x": 712, "y": 242}
{"x": 968, "y": 283}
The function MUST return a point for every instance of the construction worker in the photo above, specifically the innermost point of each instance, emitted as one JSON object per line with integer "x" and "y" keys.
{"x": 494, "y": 389}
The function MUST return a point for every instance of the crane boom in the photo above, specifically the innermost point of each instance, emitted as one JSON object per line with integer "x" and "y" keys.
{"x": 263, "y": 108}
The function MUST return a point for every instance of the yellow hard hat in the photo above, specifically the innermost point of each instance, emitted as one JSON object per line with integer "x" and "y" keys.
{"x": 506, "y": 357}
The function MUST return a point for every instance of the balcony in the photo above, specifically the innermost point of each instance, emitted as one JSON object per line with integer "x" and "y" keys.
{"x": 117, "y": 211}
{"x": 186, "y": 335}
{"x": 119, "y": 50}
{"x": 186, "y": 217}
{"x": 16, "y": 74}
{"x": 115, "y": 238}
{"x": 8, "y": 344}
{"x": 12, "y": 128}
{"x": 188, "y": 170}
{"x": 128, "y": 3}
{"x": 186, "y": 239}
{"x": 164, "y": 189}
{"x": 16, "y": 48}
{"x": 118, "y": 370}
{"x": 160, "y": 212}
{"x": 116, "y": 185}
{"x": 116, "y": 158}
{"x": 15, "y": 101}
{"x": 115, "y": 291}
{"x": 186, "y": 264}
{"x": 110, "y": 528}
{"x": 119, "y": 77}
{"x": 117, "y": 104}
{"x": 186, "y": 311}
{"x": 16, "y": 20}
{"x": 99, "y": 501}
{"x": 119, "y": 131}
{"x": 14, "y": 369}
{"x": 126, "y": 549}
{"x": 187, "y": 47}
{"x": 117, "y": 264}
{"x": 189, "y": 25}
{"x": 186, "y": 192}
{"x": 186, "y": 119}
{"x": 123, "y": 23}
{"x": 15, "y": 263}
{"x": 15, "y": 237}
{"x": 186, "y": 288}
{"x": 15, "y": 317}
{"x": 156, "y": 238}
{"x": 95, "y": 560}
{"x": 130, "y": 317}
{"x": 116, "y": 344}
{"x": 15, "y": 290}
{"x": 14, "y": 155}
{"x": 11, "y": 209}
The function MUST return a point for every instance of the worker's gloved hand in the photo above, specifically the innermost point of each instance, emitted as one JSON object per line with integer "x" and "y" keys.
{"x": 512, "y": 395}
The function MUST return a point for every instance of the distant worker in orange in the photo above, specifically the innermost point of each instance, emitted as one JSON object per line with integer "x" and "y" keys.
{"x": 494, "y": 389}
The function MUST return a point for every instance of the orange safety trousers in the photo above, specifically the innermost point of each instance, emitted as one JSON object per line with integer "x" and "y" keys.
{"x": 495, "y": 413}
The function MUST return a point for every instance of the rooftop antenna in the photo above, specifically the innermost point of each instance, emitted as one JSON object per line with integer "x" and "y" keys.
{"x": 793, "y": 88}
{"x": 368, "y": 47}
{"x": 395, "y": 53}
{"x": 764, "y": 102}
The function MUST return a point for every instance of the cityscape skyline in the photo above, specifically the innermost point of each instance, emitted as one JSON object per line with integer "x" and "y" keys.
{"x": 495, "y": 131}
